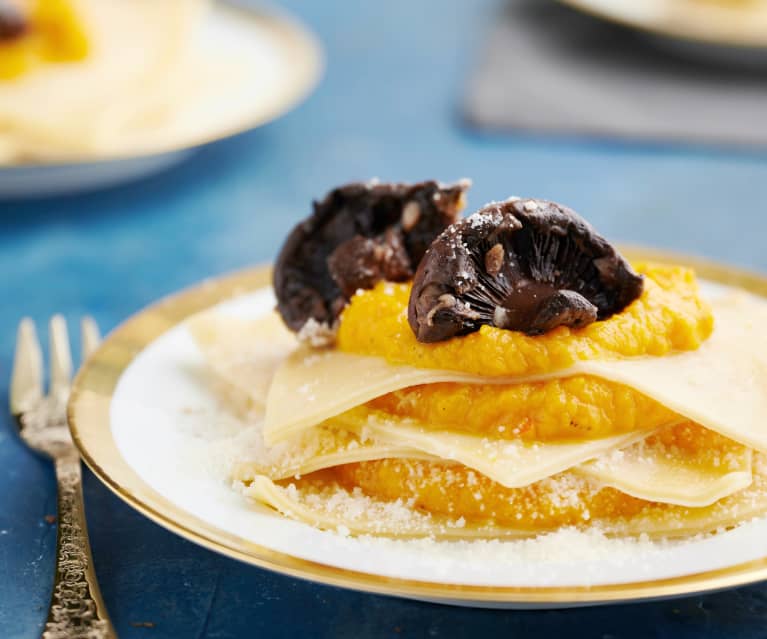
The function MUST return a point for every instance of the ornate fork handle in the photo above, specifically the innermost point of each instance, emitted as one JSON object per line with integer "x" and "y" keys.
{"x": 77, "y": 610}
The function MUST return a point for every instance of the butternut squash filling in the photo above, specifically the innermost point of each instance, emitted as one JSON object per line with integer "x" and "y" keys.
{"x": 670, "y": 315}
{"x": 566, "y": 499}
{"x": 54, "y": 33}
{"x": 572, "y": 408}
{"x": 456, "y": 491}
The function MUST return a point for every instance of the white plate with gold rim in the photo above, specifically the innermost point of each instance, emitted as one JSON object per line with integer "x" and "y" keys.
{"x": 286, "y": 63}
{"x": 149, "y": 426}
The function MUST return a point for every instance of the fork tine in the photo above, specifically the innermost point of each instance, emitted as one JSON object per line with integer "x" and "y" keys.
{"x": 27, "y": 377}
{"x": 89, "y": 336}
{"x": 61, "y": 357}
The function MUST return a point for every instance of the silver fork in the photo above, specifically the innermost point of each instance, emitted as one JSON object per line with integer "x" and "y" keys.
{"x": 76, "y": 609}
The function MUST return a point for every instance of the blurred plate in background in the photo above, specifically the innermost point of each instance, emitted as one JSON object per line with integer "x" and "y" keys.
{"x": 729, "y": 23}
{"x": 286, "y": 63}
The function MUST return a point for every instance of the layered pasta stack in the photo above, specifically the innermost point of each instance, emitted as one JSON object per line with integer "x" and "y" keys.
{"x": 505, "y": 374}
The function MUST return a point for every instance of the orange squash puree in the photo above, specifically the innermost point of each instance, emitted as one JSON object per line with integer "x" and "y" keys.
{"x": 579, "y": 407}
{"x": 562, "y": 500}
{"x": 456, "y": 491}
{"x": 56, "y": 34}
{"x": 698, "y": 445}
{"x": 670, "y": 315}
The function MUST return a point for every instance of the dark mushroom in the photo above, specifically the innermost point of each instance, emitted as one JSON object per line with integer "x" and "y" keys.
{"x": 13, "y": 24}
{"x": 357, "y": 235}
{"x": 522, "y": 265}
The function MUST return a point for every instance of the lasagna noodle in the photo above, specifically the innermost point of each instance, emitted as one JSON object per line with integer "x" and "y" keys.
{"x": 243, "y": 354}
{"x": 333, "y": 508}
{"x": 652, "y": 471}
{"x": 304, "y": 391}
{"x": 318, "y": 449}
{"x": 511, "y": 463}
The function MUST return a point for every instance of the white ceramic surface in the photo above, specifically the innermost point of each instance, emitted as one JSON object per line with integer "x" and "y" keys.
{"x": 172, "y": 431}
{"x": 58, "y": 179}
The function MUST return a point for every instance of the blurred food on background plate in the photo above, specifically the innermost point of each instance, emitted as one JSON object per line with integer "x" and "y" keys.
{"x": 88, "y": 79}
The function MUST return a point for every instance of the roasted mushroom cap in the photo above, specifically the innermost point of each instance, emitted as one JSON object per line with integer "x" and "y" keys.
{"x": 358, "y": 235}
{"x": 13, "y": 24}
{"x": 523, "y": 265}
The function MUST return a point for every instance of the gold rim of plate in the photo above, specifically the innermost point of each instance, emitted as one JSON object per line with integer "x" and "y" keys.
{"x": 730, "y": 23}
{"x": 306, "y": 67}
{"x": 89, "y": 420}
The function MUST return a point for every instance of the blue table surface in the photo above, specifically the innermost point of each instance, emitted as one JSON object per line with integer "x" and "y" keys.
{"x": 389, "y": 106}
